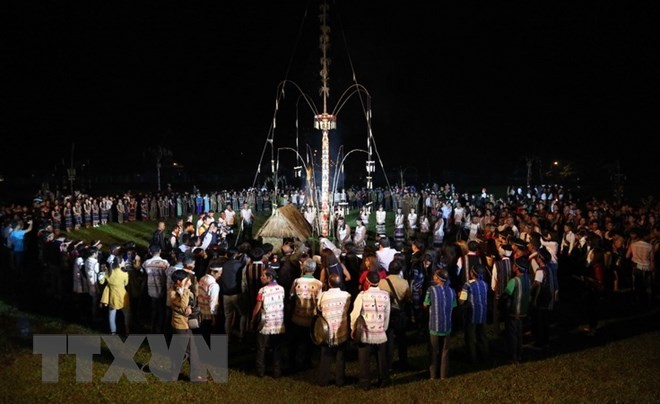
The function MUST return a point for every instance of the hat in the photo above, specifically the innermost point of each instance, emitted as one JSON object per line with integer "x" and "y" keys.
{"x": 523, "y": 264}
{"x": 518, "y": 242}
{"x": 257, "y": 253}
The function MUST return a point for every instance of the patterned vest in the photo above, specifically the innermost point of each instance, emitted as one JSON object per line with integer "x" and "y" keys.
{"x": 503, "y": 268}
{"x": 442, "y": 298}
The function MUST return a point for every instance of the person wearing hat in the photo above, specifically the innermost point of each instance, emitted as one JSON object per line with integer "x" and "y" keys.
{"x": 270, "y": 304}
{"x": 517, "y": 293}
{"x": 475, "y": 296}
{"x": 440, "y": 300}
{"x": 334, "y": 305}
{"x": 208, "y": 295}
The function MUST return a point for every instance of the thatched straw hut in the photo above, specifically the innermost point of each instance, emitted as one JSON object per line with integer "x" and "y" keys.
{"x": 285, "y": 222}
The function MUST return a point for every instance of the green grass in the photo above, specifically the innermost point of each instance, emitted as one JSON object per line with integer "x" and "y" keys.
{"x": 140, "y": 232}
{"x": 622, "y": 371}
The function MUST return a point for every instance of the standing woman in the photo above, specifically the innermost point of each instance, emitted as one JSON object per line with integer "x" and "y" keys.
{"x": 56, "y": 216}
{"x": 360, "y": 237}
{"x": 105, "y": 209}
{"x": 399, "y": 230}
{"x": 95, "y": 213}
{"x": 132, "y": 210}
{"x": 381, "y": 216}
{"x": 77, "y": 215}
{"x": 68, "y": 217}
{"x": 438, "y": 233}
{"x": 114, "y": 294}
{"x": 121, "y": 209}
{"x": 330, "y": 265}
{"x": 343, "y": 232}
{"x": 87, "y": 211}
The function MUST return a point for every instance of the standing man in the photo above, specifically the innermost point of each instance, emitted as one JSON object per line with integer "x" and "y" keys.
{"x": 270, "y": 298}
{"x": 517, "y": 292}
{"x": 474, "y": 294}
{"x": 502, "y": 272}
{"x": 373, "y": 305}
{"x": 156, "y": 270}
{"x": 305, "y": 294}
{"x": 208, "y": 293}
{"x": 230, "y": 220}
{"x": 247, "y": 219}
{"x": 333, "y": 305}
{"x": 441, "y": 300}
{"x": 640, "y": 253}
{"x": 400, "y": 297}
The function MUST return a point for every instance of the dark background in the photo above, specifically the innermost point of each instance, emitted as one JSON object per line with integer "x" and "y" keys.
{"x": 460, "y": 92}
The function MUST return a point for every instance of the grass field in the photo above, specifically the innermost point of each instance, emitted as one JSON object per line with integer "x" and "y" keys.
{"x": 620, "y": 370}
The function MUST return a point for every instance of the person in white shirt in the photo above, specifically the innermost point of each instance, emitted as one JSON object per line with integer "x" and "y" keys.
{"x": 247, "y": 219}
{"x": 385, "y": 253}
{"x": 381, "y": 216}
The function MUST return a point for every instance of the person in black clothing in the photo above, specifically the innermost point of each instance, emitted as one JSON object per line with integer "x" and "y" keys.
{"x": 230, "y": 286}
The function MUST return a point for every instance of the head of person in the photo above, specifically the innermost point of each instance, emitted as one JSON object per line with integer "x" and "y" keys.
{"x": 384, "y": 242}
{"x": 180, "y": 278}
{"x": 309, "y": 266}
{"x": 373, "y": 278}
{"x": 395, "y": 268}
{"x": 215, "y": 267}
{"x": 334, "y": 281}
{"x": 328, "y": 258}
{"x": 440, "y": 276}
{"x": 268, "y": 275}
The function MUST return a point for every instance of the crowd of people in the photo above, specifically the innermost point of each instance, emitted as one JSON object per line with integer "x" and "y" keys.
{"x": 448, "y": 263}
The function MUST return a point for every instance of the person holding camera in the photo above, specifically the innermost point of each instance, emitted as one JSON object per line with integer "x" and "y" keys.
{"x": 181, "y": 301}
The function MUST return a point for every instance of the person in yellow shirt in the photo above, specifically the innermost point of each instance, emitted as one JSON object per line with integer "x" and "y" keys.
{"x": 114, "y": 294}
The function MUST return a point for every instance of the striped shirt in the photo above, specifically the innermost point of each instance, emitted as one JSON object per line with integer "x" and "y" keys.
{"x": 271, "y": 297}
{"x": 374, "y": 305}
{"x": 474, "y": 292}
{"x": 334, "y": 305}
{"x": 442, "y": 300}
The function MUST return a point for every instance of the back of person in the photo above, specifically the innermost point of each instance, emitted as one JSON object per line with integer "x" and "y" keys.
{"x": 230, "y": 280}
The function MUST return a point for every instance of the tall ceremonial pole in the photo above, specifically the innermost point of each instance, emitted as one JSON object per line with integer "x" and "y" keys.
{"x": 325, "y": 122}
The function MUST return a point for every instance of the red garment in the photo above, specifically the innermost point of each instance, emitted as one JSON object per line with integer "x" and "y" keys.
{"x": 363, "y": 278}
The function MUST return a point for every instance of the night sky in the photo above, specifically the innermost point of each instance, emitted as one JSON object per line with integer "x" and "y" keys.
{"x": 474, "y": 88}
